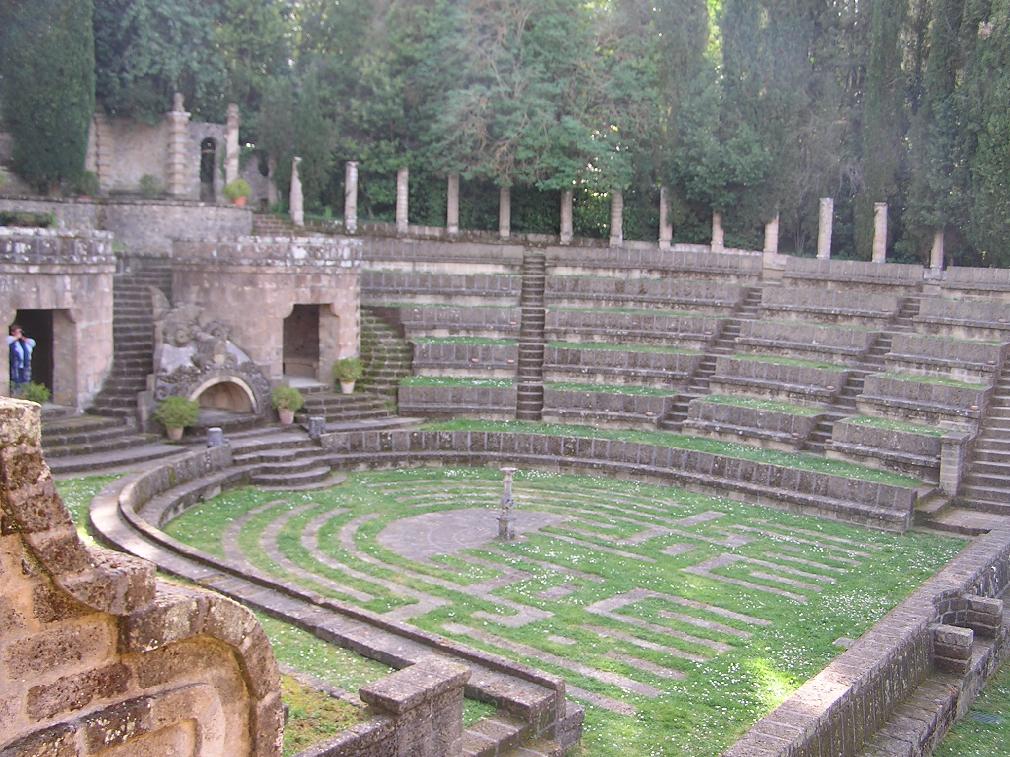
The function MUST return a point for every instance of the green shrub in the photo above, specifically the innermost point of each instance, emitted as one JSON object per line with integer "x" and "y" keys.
{"x": 287, "y": 398}
{"x": 348, "y": 369}
{"x": 177, "y": 412}
{"x": 34, "y": 392}
{"x": 238, "y": 188}
{"x": 87, "y": 184}
{"x": 22, "y": 218}
{"x": 151, "y": 186}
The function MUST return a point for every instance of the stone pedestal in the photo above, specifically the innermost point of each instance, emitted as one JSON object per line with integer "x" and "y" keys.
{"x": 718, "y": 240}
{"x": 295, "y": 202}
{"x": 231, "y": 167}
{"x": 665, "y": 223}
{"x": 772, "y": 235}
{"x": 351, "y": 197}
{"x": 880, "y": 232}
{"x": 825, "y": 221}
{"x": 616, "y": 218}
{"x": 936, "y": 252}
{"x": 567, "y": 232}
{"x": 178, "y": 142}
{"x": 402, "y": 200}
{"x": 504, "y": 213}
{"x": 452, "y": 205}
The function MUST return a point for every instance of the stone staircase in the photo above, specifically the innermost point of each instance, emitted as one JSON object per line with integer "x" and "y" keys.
{"x": 530, "y": 365}
{"x": 386, "y": 355}
{"x": 987, "y": 485}
{"x": 503, "y": 736}
{"x": 282, "y": 460}
{"x": 336, "y": 408}
{"x": 94, "y": 436}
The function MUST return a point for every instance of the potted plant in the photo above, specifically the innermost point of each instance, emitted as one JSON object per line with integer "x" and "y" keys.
{"x": 238, "y": 192}
{"x": 175, "y": 414}
{"x": 287, "y": 401}
{"x": 347, "y": 371}
{"x": 34, "y": 392}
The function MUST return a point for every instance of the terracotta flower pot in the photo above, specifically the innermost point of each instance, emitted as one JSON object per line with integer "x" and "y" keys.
{"x": 174, "y": 433}
{"x": 240, "y": 202}
{"x": 347, "y": 387}
{"x": 287, "y": 416}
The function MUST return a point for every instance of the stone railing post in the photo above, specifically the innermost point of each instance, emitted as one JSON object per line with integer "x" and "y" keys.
{"x": 880, "y": 232}
{"x": 178, "y": 140}
{"x": 452, "y": 205}
{"x": 718, "y": 238}
{"x": 351, "y": 197}
{"x": 296, "y": 207}
{"x": 504, "y": 213}
{"x": 616, "y": 218}
{"x": 567, "y": 230}
{"x": 951, "y": 648}
{"x": 231, "y": 167}
{"x": 772, "y": 235}
{"x": 402, "y": 200}
{"x": 824, "y": 227}
{"x": 983, "y": 615}
{"x": 936, "y": 251}
{"x": 953, "y": 459}
{"x": 665, "y": 223}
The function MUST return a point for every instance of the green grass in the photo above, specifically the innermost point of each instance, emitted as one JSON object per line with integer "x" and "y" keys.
{"x": 453, "y": 381}
{"x": 621, "y": 347}
{"x": 463, "y": 340}
{"x": 756, "y": 404}
{"x": 889, "y": 424}
{"x": 800, "y": 460}
{"x": 985, "y": 729}
{"x": 313, "y": 716}
{"x": 939, "y": 380}
{"x": 793, "y": 361}
{"x": 644, "y": 391}
{"x": 719, "y": 697}
{"x": 77, "y": 494}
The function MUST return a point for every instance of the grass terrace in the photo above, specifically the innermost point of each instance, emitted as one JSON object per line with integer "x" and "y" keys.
{"x": 800, "y": 460}
{"x": 634, "y": 347}
{"x": 460, "y": 340}
{"x": 677, "y": 619}
{"x": 793, "y": 361}
{"x": 889, "y": 424}
{"x": 634, "y": 311}
{"x": 503, "y": 383}
{"x": 939, "y": 380}
{"x": 985, "y": 729}
{"x": 755, "y": 404}
{"x": 643, "y": 391}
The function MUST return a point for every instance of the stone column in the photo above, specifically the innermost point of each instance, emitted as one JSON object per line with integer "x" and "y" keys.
{"x": 616, "y": 218}
{"x": 665, "y": 224}
{"x": 880, "y": 232}
{"x": 231, "y": 145}
{"x": 452, "y": 205}
{"x": 351, "y": 197}
{"x": 178, "y": 133}
{"x": 273, "y": 196}
{"x": 718, "y": 243}
{"x": 504, "y": 212}
{"x": 402, "y": 200}
{"x": 827, "y": 218}
{"x": 567, "y": 233}
{"x": 295, "y": 203}
{"x": 936, "y": 252}
{"x": 772, "y": 235}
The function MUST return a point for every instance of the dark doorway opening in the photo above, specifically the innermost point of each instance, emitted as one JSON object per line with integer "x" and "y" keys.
{"x": 208, "y": 163}
{"x": 301, "y": 342}
{"x": 38, "y": 325}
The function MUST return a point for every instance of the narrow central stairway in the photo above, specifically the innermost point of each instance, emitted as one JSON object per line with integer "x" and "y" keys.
{"x": 530, "y": 366}
{"x": 987, "y": 485}
{"x": 385, "y": 353}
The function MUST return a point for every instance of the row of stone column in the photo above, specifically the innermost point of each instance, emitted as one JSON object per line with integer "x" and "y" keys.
{"x": 771, "y": 240}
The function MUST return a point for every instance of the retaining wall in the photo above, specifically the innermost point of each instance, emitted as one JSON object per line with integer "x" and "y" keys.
{"x": 619, "y": 366}
{"x": 620, "y": 291}
{"x": 604, "y": 408}
{"x": 767, "y": 379}
{"x": 820, "y": 303}
{"x": 730, "y": 422}
{"x": 604, "y": 326}
{"x": 957, "y": 358}
{"x": 805, "y": 338}
{"x": 920, "y": 400}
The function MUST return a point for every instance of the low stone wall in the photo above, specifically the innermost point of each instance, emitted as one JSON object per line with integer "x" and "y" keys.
{"x": 601, "y": 325}
{"x": 768, "y": 379}
{"x": 965, "y": 319}
{"x": 454, "y": 359}
{"x": 854, "y": 273}
{"x": 620, "y": 291}
{"x": 419, "y": 320}
{"x": 593, "y": 364}
{"x": 994, "y": 282}
{"x": 957, "y": 358}
{"x": 604, "y": 408}
{"x": 457, "y": 401}
{"x": 839, "y": 710}
{"x": 425, "y": 286}
{"x": 920, "y": 400}
{"x": 823, "y": 304}
{"x": 890, "y": 449}
{"x": 71, "y": 215}
{"x": 420, "y": 254}
{"x": 875, "y": 504}
{"x": 108, "y": 657}
{"x": 695, "y": 262}
{"x": 771, "y": 428}
{"x": 804, "y": 339}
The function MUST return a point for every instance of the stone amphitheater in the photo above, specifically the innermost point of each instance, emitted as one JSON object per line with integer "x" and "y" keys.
{"x": 760, "y": 507}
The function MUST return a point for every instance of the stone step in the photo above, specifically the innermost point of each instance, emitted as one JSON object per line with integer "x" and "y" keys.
{"x": 313, "y": 475}
{"x": 113, "y": 459}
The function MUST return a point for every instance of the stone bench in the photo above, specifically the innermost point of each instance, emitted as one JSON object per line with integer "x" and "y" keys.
{"x": 436, "y": 358}
{"x": 823, "y": 304}
{"x": 894, "y": 449}
{"x": 691, "y": 332}
{"x": 604, "y": 408}
{"x": 804, "y": 339}
{"x": 735, "y": 375}
{"x": 597, "y": 364}
{"x": 964, "y": 319}
{"x": 958, "y": 358}
{"x": 437, "y": 320}
{"x": 625, "y": 291}
{"x": 921, "y": 400}
{"x": 456, "y": 401}
{"x": 427, "y": 287}
{"x": 854, "y": 274}
{"x": 775, "y": 429}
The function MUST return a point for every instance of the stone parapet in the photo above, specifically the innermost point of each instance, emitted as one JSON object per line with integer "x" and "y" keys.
{"x": 977, "y": 281}
{"x": 465, "y": 359}
{"x": 836, "y": 273}
{"x": 268, "y": 252}
{"x": 965, "y": 319}
{"x": 420, "y": 320}
{"x": 54, "y": 247}
{"x": 889, "y": 448}
{"x": 735, "y": 264}
{"x": 397, "y": 286}
{"x": 770, "y": 379}
{"x": 378, "y": 249}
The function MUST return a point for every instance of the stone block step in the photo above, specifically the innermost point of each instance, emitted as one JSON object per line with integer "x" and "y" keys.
{"x": 115, "y": 458}
{"x": 315, "y": 474}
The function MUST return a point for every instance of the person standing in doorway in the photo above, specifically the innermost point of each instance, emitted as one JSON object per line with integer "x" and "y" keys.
{"x": 20, "y": 347}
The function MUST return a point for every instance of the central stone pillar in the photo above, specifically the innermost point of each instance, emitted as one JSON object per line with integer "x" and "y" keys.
{"x": 351, "y": 197}
{"x": 616, "y": 218}
{"x": 504, "y": 212}
{"x": 567, "y": 232}
{"x": 880, "y": 232}
{"x": 665, "y": 224}
{"x": 295, "y": 202}
{"x": 772, "y": 235}
{"x": 452, "y": 205}
{"x": 718, "y": 243}
{"x": 402, "y": 200}
{"x": 506, "y": 520}
{"x": 936, "y": 252}
{"x": 231, "y": 166}
{"x": 825, "y": 221}
{"x": 178, "y": 139}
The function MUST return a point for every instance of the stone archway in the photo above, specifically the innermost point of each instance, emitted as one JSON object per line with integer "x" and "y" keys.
{"x": 230, "y": 394}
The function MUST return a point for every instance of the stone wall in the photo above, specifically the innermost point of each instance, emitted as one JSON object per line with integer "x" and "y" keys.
{"x": 890, "y": 448}
{"x": 456, "y": 359}
{"x": 98, "y": 655}
{"x": 701, "y": 262}
{"x": 70, "y": 274}
{"x": 424, "y": 286}
{"x": 457, "y": 401}
{"x": 957, "y": 358}
{"x": 993, "y": 282}
{"x": 658, "y": 326}
{"x": 965, "y": 319}
{"x": 805, "y": 339}
{"x": 822, "y": 304}
{"x": 406, "y": 253}
{"x": 768, "y": 379}
{"x": 604, "y": 408}
{"x": 453, "y": 320}
{"x": 730, "y": 422}
{"x": 597, "y": 364}
{"x": 920, "y": 400}
{"x": 855, "y": 274}
{"x": 232, "y": 280}
{"x": 620, "y": 291}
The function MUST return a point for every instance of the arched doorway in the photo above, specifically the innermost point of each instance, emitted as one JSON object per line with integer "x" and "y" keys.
{"x": 38, "y": 325}
{"x": 208, "y": 164}
{"x": 301, "y": 342}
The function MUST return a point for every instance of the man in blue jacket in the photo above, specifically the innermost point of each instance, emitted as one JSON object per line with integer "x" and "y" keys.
{"x": 21, "y": 348}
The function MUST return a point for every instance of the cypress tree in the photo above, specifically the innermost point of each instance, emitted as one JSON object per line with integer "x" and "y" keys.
{"x": 47, "y": 57}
